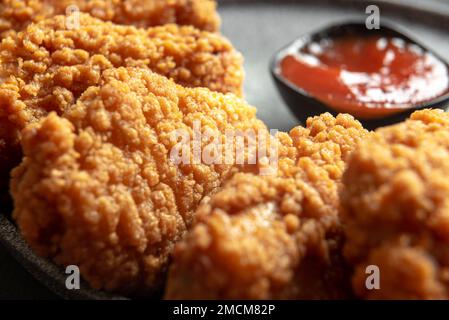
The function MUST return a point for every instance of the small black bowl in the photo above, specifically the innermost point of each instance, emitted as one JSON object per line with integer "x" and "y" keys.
{"x": 303, "y": 105}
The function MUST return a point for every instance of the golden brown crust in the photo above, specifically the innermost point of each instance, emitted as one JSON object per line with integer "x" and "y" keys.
{"x": 396, "y": 209}
{"x": 16, "y": 15}
{"x": 97, "y": 188}
{"x": 47, "y": 67}
{"x": 273, "y": 237}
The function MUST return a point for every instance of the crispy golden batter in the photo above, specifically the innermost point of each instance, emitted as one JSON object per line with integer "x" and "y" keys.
{"x": 16, "y": 15}
{"x": 273, "y": 237}
{"x": 96, "y": 187}
{"x": 396, "y": 202}
{"x": 47, "y": 67}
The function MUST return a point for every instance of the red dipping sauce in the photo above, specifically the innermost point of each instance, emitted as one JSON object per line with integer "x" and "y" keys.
{"x": 367, "y": 76}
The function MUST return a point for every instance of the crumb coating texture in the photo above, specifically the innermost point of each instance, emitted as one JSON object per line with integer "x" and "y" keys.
{"x": 395, "y": 207}
{"x": 47, "y": 67}
{"x": 16, "y": 15}
{"x": 273, "y": 237}
{"x": 96, "y": 187}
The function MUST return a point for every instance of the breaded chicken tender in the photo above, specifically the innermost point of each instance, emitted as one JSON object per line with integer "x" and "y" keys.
{"x": 16, "y": 15}
{"x": 396, "y": 209}
{"x": 273, "y": 237}
{"x": 98, "y": 186}
{"x": 47, "y": 67}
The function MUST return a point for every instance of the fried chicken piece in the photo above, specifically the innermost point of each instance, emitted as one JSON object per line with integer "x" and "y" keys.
{"x": 273, "y": 237}
{"x": 47, "y": 67}
{"x": 396, "y": 209}
{"x": 98, "y": 187}
{"x": 16, "y": 15}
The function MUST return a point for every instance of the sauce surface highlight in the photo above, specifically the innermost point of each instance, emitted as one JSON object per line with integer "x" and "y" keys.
{"x": 369, "y": 77}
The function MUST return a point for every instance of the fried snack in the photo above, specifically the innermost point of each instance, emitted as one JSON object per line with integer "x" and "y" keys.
{"x": 47, "y": 67}
{"x": 16, "y": 15}
{"x": 273, "y": 237}
{"x": 98, "y": 188}
{"x": 396, "y": 202}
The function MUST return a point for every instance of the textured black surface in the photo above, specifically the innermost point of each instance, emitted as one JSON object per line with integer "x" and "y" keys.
{"x": 17, "y": 283}
{"x": 257, "y": 29}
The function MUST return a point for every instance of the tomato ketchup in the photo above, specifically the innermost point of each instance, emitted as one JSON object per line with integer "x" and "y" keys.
{"x": 367, "y": 76}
